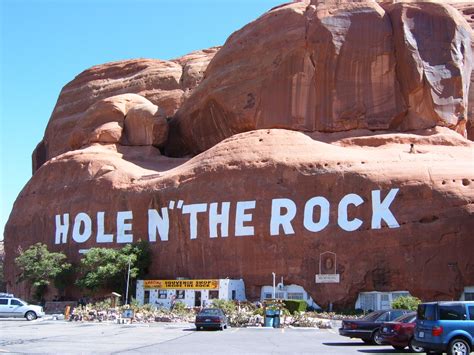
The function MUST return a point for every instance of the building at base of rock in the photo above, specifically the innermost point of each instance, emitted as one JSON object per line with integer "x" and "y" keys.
{"x": 192, "y": 293}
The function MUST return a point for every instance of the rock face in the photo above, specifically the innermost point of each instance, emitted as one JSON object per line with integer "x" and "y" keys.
{"x": 145, "y": 126}
{"x": 333, "y": 67}
{"x": 467, "y": 10}
{"x": 434, "y": 56}
{"x": 433, "y": 208}
{"x": 163, "y": 83}
{"x": 303, "y": 122}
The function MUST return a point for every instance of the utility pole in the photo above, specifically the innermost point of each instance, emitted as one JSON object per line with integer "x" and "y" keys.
{"x": 274, "y": 294}
{"x": 128, "y": 279}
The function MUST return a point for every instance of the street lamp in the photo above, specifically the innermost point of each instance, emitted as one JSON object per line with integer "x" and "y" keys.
{"x": 274, "y": 295}
{"x": 128, "y": 279}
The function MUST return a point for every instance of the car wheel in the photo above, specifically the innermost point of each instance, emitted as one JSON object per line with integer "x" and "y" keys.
{"x": 376, "y": 338}
{"x": 30, "y": 315}
{"x": 414, "y": 348}
{"x": 398, "y": 347}
{"x": 458, "y": 347}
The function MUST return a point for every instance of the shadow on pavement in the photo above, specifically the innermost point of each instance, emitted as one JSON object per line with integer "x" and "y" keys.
{"x": 368, "y": 351}
{"x": 383, "y": 351}
{"x": 345, "y": 344}
{"x": 202, "y": 330}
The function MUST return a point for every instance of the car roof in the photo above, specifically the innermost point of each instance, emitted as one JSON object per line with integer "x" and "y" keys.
{"x": 209, "y": 309}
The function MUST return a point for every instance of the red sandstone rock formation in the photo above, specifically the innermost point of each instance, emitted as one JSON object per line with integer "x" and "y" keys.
{"x": 467, "y": 10}
{"x": 164, "y": 83}
{"x": 351, "y": 76}
{"x": 333, "y": 67}
{"x": 433, "y": 208}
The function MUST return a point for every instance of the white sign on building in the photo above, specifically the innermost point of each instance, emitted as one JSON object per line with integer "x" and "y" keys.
{"x": 327, "y": 278}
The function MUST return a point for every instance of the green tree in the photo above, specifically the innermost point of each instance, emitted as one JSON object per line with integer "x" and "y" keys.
{"x": 65, "y": 278}
{"x": 39, "y": 267}
{"x": 106, "y": 269}
{"x": 406, "y": 302}
{"x": 143, "y": 256}
{"x": 103, "y": 268}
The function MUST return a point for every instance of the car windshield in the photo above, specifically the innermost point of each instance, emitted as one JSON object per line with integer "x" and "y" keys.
{"x": 406, "y": 318}
{"x": 210, "y": 312}
{"x": 372, "y": 316}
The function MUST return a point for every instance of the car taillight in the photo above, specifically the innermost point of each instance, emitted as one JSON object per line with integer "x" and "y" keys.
{"x": 437, "y": 331}
{"x": 397, "y": 327}
{"x": 353, "y": 326}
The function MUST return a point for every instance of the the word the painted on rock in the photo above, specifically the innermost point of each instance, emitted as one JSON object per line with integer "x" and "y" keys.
{"x": 316, "y": 217}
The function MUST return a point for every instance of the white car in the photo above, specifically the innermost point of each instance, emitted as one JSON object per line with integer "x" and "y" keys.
{"x": 16, "y": 307}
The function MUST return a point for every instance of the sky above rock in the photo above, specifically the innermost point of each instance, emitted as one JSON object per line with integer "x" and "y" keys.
{"x": 46, "y": 43}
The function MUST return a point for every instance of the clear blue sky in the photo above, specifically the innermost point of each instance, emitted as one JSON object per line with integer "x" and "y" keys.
{"x": 45, "y": 43}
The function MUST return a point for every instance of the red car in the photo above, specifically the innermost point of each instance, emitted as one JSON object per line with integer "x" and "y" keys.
{"x": 399, "y": 333}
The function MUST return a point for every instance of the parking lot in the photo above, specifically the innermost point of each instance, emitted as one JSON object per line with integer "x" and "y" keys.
{"x": 53, "y": 336}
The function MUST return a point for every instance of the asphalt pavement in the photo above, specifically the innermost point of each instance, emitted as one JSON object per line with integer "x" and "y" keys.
{"x": 59, "y": 336}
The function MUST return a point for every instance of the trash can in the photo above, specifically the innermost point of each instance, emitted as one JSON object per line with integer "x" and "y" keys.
{"x": 269, "y": 317}
{"x": 276, "y": 319}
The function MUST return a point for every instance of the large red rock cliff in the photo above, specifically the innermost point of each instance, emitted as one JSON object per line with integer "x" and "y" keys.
{"x": 291, "y": 140}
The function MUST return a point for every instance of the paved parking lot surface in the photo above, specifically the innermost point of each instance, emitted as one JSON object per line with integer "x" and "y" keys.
{"x": 49, "y": 336}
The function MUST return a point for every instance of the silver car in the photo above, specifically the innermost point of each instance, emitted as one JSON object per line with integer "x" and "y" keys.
{"x": 16, "y": 307}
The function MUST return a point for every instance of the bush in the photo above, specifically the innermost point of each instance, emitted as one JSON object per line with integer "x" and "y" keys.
{"x": 303, "y": 320}
{"x": 227, "y": 306}
{"x": 258, "y": 312}
{"x": 295, "y": 305}
{"x": 406, "y": 302}
{"x": 179, "y": 307}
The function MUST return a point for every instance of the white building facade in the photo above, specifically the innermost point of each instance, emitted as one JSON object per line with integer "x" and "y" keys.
{"x": 288, "y": 292}
{"x": 193, "y": 293}
{"x": 468, "y": 294}
{"x": 375, "y": 300}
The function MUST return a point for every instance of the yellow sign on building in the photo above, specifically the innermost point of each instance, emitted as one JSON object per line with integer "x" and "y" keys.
{"x": 181, "y": 284}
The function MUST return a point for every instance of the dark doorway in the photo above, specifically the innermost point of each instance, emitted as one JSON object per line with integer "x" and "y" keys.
{"x": 197, "y": 298}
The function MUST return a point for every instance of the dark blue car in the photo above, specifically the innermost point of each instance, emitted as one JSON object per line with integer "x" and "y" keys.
{"x": 211, "y": 318}
{"x": 445, "y": 327}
